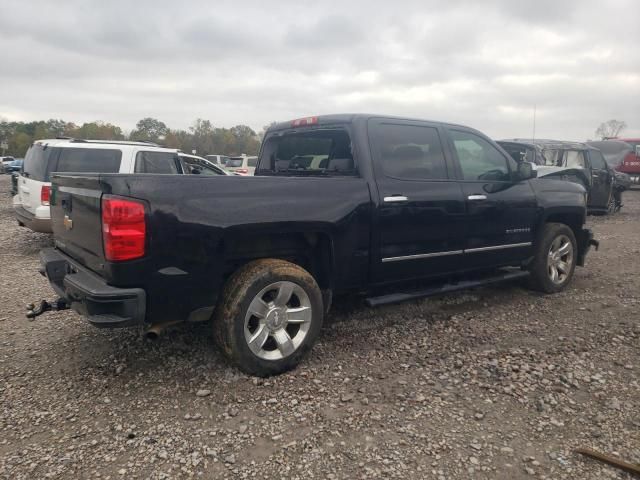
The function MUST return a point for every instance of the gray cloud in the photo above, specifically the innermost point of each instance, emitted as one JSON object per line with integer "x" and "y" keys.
{"x": 482, "y": 64}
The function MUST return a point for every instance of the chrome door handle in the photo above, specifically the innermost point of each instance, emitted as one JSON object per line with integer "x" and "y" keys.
{"x": 477, "y": 197}
{"x": 396, "y": 198}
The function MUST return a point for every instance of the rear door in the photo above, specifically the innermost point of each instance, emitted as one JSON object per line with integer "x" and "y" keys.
{"x": 500, "y": 212}
{"x": 36, "y": 169}
{"x": 420, "y": 212}
{"x": 602, "y": 180}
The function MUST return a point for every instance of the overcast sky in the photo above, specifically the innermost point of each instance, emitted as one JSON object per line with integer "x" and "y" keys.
{"x": 484, "y": 64}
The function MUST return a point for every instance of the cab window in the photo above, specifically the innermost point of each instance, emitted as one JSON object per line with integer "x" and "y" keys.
{"x": 479, "y": 159}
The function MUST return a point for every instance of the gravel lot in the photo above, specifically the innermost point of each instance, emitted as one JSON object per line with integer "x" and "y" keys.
{"x": 495, "y": 383}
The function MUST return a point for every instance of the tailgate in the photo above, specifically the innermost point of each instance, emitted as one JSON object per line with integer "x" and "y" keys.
{"x": 76, "y": 218}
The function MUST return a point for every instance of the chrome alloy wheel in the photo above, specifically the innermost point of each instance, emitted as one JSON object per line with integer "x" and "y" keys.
{"x": 560, "y": 259}
{"x": 277, "y": 320}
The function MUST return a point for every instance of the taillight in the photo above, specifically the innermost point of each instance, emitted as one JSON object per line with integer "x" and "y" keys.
{"x": 123, "y": 229}
{"x": 242, "y": 170}
{"x": 45, "y": 194}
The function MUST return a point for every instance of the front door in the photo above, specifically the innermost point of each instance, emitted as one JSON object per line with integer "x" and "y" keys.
{"x": 500, "y": 210}
{"x": 602, "y": 179}
{"x": 420, "y": 212}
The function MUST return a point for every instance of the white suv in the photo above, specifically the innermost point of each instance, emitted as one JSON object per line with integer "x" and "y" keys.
{"x": 242, "y": 165}
{"x": 31, "y": 204}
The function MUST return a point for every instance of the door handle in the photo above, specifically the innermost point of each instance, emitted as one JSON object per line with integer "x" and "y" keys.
{"x": 595, "y": 175}
{"x": 477, "y": 197}
{"x": 396, "y": 198}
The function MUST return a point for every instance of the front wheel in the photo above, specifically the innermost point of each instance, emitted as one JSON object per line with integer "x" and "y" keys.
{"x": 555, "y": 258}
{"x": 269, "y": 316}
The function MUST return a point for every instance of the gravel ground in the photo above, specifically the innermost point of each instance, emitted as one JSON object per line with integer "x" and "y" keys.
{"x": 495, "y": 383}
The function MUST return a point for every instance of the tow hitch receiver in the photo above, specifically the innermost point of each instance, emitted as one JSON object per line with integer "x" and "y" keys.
{"x": 33, "y": 311}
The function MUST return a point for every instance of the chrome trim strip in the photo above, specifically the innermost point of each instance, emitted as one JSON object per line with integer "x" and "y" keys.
{"x": 422, "y": 255}
{"x": 497, "y": 247}
{"x": 396, "y": 198}
{"x": 455, "y": 252}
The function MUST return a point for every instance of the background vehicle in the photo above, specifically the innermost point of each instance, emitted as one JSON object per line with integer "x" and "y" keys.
{"x": 572, "y": 161}
{"x": 220, "y": 160}
{"x": 5, "y": 161}
{"x": 625, "y": 153}
{"x": 14, "y": 166}
{"x": 242, "y": 165}
{"x": 31, "y": 204}
{"x": 397, "y": 208}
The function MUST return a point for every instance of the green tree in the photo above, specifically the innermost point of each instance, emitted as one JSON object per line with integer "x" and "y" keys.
{"x": 149, "y": 129}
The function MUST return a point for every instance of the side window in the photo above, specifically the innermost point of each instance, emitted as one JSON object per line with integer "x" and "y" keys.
{"x": 597, "y": 160}
{"x": 479, "y": 160}
{"x": 156, "y": 162}
{"x": 574, "y": 158}
{"x": 95, "y": 160}
{"x": 252, "y": 161}
{"x": 410, "y": 152}
{"x": 552, "y": 157}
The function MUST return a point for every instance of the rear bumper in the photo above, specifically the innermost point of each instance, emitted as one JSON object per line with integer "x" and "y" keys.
{"x": 89, "y": 295}
{"x": 585, "y": 241}
{"x": 29, "y": 220}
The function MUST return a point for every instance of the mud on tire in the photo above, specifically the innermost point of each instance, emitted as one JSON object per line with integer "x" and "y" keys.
{"x": 269, "y": 316}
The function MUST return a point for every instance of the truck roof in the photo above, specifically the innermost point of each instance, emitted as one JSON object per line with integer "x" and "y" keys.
{"x": 345, "y": 118}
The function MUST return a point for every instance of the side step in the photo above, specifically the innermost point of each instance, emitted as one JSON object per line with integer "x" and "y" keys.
{"x": 446, "y": 288}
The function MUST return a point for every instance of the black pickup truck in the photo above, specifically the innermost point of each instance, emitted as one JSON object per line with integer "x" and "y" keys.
{"x": 389, "y": 208}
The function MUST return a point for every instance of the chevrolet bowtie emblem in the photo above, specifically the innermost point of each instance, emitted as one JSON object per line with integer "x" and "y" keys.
{"x": 68, "y": 223}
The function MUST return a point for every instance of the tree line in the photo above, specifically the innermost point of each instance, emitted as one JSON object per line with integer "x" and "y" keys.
{"x": 202, "y": 136}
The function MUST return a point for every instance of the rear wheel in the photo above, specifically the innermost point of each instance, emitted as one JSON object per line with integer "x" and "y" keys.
{"x": 555, "y": 258}
{"x": 269, "y": 316}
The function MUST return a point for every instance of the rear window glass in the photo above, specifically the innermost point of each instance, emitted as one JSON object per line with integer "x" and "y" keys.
{"x": 36, "y": 162}
{"x": 326, "y": 151}
{"x": 95, "y": 160}
{"x": 156, "y": 162}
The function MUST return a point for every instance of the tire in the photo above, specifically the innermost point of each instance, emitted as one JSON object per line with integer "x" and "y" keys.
{"x": 551, "y": 270}
{"x": 257, "y": 328}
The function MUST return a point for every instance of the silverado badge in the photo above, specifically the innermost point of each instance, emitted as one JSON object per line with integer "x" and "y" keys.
{"x": 68, "y": 223}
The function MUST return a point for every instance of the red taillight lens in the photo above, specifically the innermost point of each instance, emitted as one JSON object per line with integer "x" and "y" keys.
{"x": 45, "y": 194}
{"x": 242, "y": 170}
{"x": 123, "y": 229}
{"x": 303, "y": 122}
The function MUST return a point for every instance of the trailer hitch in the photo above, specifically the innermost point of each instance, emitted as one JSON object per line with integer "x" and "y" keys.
{"x": 35, "y": 310}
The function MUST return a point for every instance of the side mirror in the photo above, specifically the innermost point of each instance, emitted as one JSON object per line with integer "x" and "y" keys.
{"x": 526, "y": 171}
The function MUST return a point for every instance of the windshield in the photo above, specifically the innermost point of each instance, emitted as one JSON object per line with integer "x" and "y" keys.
{"x": 313, "y": 152}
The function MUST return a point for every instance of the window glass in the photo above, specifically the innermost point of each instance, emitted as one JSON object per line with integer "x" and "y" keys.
{"x": 36, "y": 162}
{"x": 252, "y": 161}
{"x": 573, "y": 159}
{"x": 597, "y": 160}
{"x": 197, "y": 166}
{"x": 312, "y": 152}
{"x": 234, "y": 162}
{"x": 479, "y": 160}
{"x": 156, "y": 162}
{"x": 552, "y": 157}
{"x": 520, "y": 153}
{"x": 410, "y": 152}
{"x": 224, "y": 160}
{"x": 96, "y": 160}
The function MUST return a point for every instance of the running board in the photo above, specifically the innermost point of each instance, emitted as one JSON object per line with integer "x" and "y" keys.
{"x": 446, "y": 288}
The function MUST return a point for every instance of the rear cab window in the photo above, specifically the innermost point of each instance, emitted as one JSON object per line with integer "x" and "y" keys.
{"x": 323, "y": 151}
